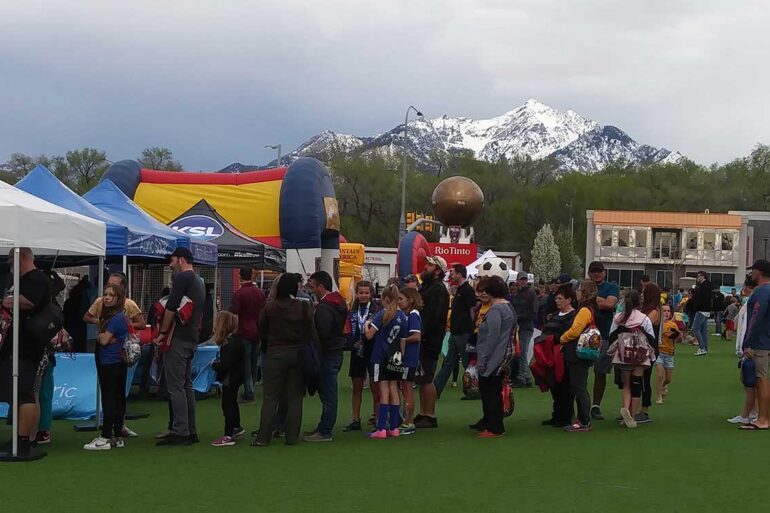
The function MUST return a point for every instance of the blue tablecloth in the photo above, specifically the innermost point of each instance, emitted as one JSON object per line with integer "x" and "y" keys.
{"x": 74, "y": 395}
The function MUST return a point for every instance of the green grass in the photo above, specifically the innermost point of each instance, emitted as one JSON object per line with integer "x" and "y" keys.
{"x": 688, "y": 459}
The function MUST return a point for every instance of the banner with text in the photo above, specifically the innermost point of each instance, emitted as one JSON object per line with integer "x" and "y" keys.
{"x": 455, "y": 253}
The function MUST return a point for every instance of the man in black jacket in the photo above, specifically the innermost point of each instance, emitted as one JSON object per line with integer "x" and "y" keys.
{"x": 699, "y": 309}
{"x": 461, "y": 325}
{"x": 525, "y": 304}
{"x": 435, "y": 298}
{"x": 330, "y": 316}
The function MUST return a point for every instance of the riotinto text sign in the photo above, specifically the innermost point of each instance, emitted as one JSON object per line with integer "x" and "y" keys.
{"x": 456, "y": 253}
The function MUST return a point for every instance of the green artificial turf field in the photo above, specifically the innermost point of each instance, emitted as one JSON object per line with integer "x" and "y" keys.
{"x": 687, "y": 459}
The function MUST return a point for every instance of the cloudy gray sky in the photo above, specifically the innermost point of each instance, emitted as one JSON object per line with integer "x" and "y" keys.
{"x": 216, "y": 81}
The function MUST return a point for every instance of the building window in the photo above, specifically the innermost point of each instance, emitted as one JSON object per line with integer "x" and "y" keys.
{"x": 727, "y": 241}
{"x": 623, "y": 238}
{"x": 625, "y": 278}
{"x": 607, "y": 238}
{"x": 692, "y": 240}
{"x": 665, "y": 244}
{"x": 709, "y": 240}
{"x": 641, "y": 238}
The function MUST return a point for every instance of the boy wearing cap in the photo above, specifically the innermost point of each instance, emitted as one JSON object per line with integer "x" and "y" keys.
{"x": 756, "y": 343}
{"x": 607, "y": 298}
{"x": 435, "y": 297}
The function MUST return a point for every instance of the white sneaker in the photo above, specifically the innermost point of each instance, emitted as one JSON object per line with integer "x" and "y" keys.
{"x": 739, "y": 419}
{"x": 98, "y": 444}
{"x": 701, "y": 352}
{"x": 127, "y": 433}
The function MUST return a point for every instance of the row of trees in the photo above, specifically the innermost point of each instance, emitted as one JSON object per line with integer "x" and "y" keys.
{"x": 81, "y": 169}
{"x": 523, "y": 195}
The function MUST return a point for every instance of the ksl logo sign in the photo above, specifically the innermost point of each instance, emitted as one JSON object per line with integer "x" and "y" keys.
{"x": 201, "y": 227}
{"x": 455, "y": 253}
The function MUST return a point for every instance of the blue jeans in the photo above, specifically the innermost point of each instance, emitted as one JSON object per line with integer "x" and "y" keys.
{"x": 525, "y": 339}
{"x": 250, "y": 359}
{"x": 455, "y": 353}
{"x": 327, "y": 392}
{"x": 701, "y": 331}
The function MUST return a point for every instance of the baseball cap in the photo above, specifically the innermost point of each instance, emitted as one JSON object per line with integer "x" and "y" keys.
{"x": 410, "y": 278}
{"x": 183, "y": 253}
{"x": 438, "y": 262}
{"x": 563, "y": 278}
{"x": 761, "y": 265}
{"x": 522, "y": 276}
{"x": 596, "y": 266}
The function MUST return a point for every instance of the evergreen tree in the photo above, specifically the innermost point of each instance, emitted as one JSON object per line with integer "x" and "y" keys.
{"x": 571, "y": 263}
{"x": 546, "y": 262}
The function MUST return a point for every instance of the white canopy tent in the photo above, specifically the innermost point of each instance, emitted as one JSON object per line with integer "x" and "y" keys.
{"x": 28, "y": 221}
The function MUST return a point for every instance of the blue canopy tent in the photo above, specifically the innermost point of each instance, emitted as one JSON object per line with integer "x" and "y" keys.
{"x": 109, "y": 198}
{"x": 123, "y": 238}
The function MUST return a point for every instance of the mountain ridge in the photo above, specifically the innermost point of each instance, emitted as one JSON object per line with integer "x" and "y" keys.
{"x": 533, "y": 130}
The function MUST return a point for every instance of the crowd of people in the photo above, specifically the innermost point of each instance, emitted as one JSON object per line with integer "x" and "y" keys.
{"x": 294, "y": 338}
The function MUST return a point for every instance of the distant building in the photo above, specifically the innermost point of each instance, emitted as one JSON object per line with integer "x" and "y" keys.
{"x": 670, "y": 245}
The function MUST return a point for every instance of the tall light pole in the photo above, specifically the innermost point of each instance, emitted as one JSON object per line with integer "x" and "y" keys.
{"x": 402, "y": 226}
{"x": 275, "y": 147}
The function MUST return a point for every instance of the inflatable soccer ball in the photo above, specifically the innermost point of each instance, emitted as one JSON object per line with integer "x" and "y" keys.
{"x": 494, "y": 267}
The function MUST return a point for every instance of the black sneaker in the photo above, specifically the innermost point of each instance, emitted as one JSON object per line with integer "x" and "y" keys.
{"x": 642, "y": 418}
{"x": 426, "y": 423}
{"x": 194, "y": 439}
{"x": 277, "y": 433}
{"x": 549, "y": 422}
{"x": 596, "y": 412}
{"x": 418, "y": 418}
{"x": 478, "y": 426}
{"x": 353, "y": 426}
{"x": 174, "y": 440}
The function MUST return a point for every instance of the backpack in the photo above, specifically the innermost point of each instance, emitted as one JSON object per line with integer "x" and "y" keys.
{"x": 589, "y": 344}
{"x": 132, "y": 346}
{"x": 471, "y": 381}
{"x": 44, "y": 324}
{"x": 633, "y": 347}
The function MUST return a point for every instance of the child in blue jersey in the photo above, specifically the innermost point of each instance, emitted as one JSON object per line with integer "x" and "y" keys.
{"x": 387, "y": 328}
{"x": 111, "y": 370}
{"x": 410, "y": 302}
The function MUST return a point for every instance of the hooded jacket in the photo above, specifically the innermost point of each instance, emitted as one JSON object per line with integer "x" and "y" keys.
{"x": 287, "y": 322}
{"x": 330, "y": 317}
{"x": 434, "y": 314}
{"x": 701, "y": 298}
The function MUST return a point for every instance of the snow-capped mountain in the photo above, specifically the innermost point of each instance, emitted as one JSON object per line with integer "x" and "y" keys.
{"x": 533, "y": 130}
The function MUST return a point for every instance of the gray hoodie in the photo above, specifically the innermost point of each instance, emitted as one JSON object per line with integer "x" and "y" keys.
{"x": 494, "y": 336}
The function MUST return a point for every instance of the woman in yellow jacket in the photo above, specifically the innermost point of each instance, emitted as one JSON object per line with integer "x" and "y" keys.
{"x": 576, "y": 368}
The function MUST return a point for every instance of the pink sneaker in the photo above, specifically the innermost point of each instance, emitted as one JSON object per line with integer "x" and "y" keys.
{"x": 223, "y": 442}
{"x": 394, "y": 433}
{"x": 379, "y": 434}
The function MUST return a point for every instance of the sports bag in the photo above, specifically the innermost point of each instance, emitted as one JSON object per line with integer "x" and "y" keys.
{"x": 633, "y": 347}
{"x": 589, "y": 344}
{"x": 132, "y": 346}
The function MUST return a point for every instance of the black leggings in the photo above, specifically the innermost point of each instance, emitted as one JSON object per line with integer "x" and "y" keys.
{"x": 491, "y": 390}
{"x": 230, "y": 408}
{"x": 112, "y": 382}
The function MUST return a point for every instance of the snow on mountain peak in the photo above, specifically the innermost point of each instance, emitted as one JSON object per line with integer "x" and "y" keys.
{"x": 533, "y": 130}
